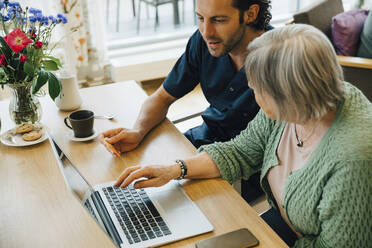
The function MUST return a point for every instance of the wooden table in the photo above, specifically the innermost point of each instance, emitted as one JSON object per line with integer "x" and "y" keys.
{"x": 37, "y": 210}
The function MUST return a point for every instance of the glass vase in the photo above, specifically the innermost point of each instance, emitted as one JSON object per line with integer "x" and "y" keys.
{"x": 24, "y": 107}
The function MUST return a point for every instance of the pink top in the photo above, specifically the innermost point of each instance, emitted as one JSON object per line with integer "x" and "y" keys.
{"x": 290, "y": 157}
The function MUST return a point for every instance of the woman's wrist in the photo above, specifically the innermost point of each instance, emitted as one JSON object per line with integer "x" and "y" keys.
{"x": 175, "y": 170}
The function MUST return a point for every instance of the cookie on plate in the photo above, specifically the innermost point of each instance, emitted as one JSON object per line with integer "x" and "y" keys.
{"x": 24, "y": 128}
{"x": 31, "y": 136}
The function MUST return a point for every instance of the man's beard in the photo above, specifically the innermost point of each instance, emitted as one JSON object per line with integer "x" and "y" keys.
{"x": 230, "y": 44}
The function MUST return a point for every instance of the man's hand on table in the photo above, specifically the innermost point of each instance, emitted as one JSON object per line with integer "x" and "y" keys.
{"x": 120, "y": 140}
{"x": 149, "y": 176}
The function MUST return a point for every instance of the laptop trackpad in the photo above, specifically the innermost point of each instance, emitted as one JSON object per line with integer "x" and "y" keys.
{"x": 179, "y": 211}
{"x": 171, "y": 201}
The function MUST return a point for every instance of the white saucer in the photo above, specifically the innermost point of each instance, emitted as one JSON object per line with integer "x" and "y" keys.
{"x": 11, "y": 138}
{"x": 71, "y": 136}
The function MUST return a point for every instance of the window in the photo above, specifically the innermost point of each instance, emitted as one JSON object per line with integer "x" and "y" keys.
{"x": 126, "y": 38}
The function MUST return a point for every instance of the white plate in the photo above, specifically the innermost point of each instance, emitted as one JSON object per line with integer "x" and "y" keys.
{"x": 72, "y": 137}
{"x": 11, "y": 138}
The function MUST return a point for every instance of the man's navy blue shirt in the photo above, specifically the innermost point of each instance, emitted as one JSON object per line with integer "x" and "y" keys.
{"x": 232, "y": 102}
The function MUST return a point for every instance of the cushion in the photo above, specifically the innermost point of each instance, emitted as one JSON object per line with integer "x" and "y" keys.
{"x": 365, "y": 47}
{"x": 346, "y": 29}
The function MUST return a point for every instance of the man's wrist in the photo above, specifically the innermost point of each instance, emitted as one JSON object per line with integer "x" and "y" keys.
{"x": 140, "y": 132}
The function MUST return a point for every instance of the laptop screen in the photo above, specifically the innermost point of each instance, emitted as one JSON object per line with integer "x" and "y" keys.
{"x": 78, "y": 185}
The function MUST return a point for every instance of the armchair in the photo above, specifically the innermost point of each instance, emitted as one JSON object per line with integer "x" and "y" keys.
{"x": 357, "y": 70}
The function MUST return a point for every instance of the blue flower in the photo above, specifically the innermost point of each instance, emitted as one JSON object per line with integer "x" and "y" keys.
{"x": 53, "y": 19}
{"x": 12, "y": 4}
{"x": 45, "y": 20}
{"x": 6, "y": 2}
{"x": 10, "y": 14}
{"x": 34, "y": 11}
{"x": 18, "y": 17}
{"x": 12, "y": 9}
{"x": 32, "y": 19}
{"x": 2, "y": 5}
{"x": 39, "y": 17}
{"x": 61, "y": 19}
{"x": 5, "y": 18}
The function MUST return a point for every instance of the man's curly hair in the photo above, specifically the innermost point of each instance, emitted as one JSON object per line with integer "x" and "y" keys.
{"x": 264, "y": 15}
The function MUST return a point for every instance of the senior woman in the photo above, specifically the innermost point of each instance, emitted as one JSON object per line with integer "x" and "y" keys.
{"x": 311, "y": 140}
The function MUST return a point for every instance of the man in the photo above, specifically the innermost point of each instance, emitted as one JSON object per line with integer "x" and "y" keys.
{"x": 214, "y": 57}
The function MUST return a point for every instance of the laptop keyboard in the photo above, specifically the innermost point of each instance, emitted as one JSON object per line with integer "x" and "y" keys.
{"x": 136, "y": 214}
{"x": 90, "y": 209}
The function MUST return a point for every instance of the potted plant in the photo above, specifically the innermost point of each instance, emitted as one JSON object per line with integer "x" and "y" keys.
{"x": 25, "y": 61}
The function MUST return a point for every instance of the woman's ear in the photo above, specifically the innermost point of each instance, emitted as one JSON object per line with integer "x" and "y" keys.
{"x": 251, "y": 14}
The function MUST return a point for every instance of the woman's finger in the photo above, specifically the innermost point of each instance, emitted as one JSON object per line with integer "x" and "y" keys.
{"x": 125, "y": 174}
{"x": 137, "y": 174}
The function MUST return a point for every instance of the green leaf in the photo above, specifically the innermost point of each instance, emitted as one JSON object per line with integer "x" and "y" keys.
{"x": 54, "y": 85}
{"x": 50, "y": 65}
{"x": 3, "y": 76}
{"x": 30, "y": 51}
{"x": 42, "y": 78}
{"x": 28, "y": 67}
{"x": 5, "y": 49}
{"x": 56, "y": 60}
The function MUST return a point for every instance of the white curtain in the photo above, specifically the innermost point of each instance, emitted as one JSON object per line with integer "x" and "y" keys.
{"x": 82, "y": 52}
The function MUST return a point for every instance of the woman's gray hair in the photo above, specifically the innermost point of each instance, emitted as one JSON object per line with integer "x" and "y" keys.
{"x": 298, "y": 67}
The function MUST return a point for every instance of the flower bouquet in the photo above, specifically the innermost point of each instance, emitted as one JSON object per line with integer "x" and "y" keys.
{"x": 25, "y": 61}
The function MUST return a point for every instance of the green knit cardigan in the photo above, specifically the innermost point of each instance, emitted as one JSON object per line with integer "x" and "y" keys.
{"x": 329, "y": 200}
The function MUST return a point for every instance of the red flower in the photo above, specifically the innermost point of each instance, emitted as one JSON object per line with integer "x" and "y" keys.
{"x": 38, "y": 44}
{"x": 17, "y": 40}
{"x": 2, "y": 60}
{"x": 23, "y": 58}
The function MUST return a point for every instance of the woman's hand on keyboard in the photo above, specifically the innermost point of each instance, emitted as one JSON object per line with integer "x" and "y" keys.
{"x": 148, "y": 176}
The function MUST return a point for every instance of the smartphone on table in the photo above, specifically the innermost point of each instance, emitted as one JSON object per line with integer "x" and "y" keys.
{"x": 241, "y": 238}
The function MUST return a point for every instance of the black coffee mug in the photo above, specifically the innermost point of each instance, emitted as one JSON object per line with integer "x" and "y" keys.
{"x": 81, "y": 123}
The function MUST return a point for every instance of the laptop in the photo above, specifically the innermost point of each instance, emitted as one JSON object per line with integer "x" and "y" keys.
{"x": 135, "y": 217}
